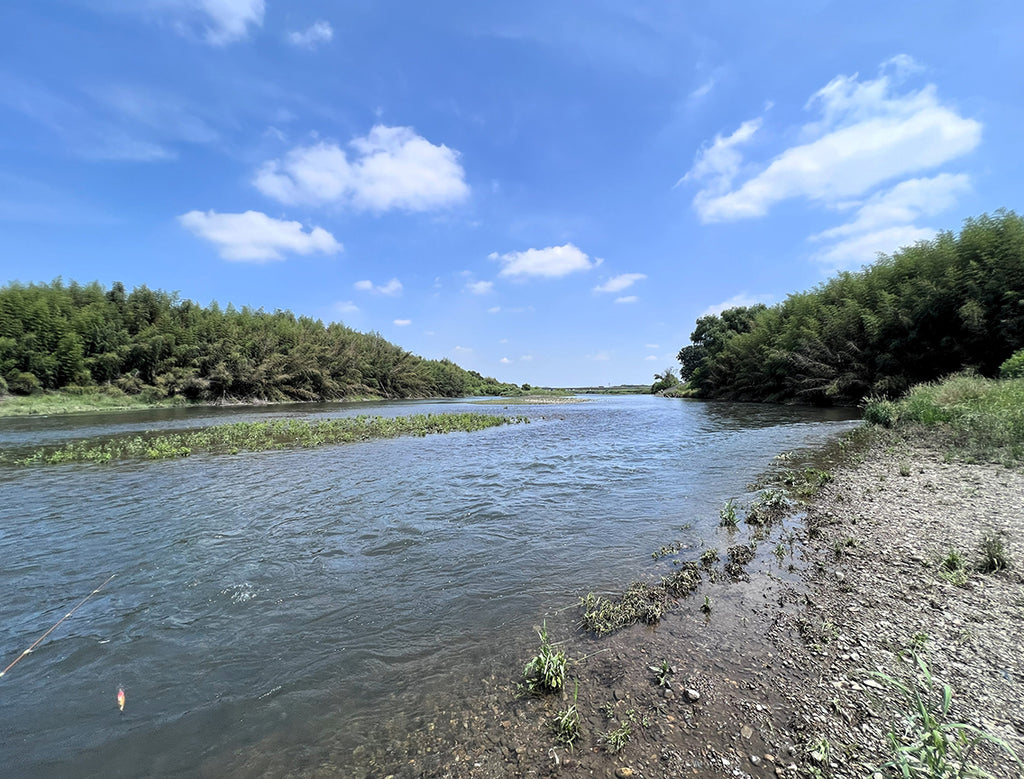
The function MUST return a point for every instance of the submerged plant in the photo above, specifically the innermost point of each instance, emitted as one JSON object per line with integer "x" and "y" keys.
{"x": 566, "y": 724}
{"x": 727, "y": 514}
{"x": 663, "y": 673}
{"x": 770, "y": 506}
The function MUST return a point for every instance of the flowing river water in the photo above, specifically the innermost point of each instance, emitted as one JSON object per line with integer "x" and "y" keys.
{"x": 269, "y": 608}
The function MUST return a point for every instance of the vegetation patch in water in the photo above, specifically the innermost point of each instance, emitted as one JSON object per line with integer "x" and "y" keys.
{"x": 640, "y": 603}
{"x": 260, "y": 436}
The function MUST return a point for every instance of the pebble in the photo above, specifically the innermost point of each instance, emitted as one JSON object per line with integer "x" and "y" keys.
{"x": 623, "y": 773}
{"x": 692, "y": 695}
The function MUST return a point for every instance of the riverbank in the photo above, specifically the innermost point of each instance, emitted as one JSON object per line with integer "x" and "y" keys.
{"x": 784, "y": 672}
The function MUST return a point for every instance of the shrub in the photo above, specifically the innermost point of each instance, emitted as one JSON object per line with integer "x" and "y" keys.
{"x": 23, "y": 383}
{"x": 1013, "y": 368}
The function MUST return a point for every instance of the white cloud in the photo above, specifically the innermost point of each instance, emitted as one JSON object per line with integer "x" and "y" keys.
{"x": 720, "y": 162}
{"x": 480, "y": 287}
{"x": 552, "y": 262}
{"x": 702, "y": 90}
{"x": 346, "y": 307}
{"x": 220, "y": 21}
{"x": 317, "y": 33}
{"x": 494, "y": 310}
{"x": 402, "y": 322}
{"x": 620, "y": 282}
{"x": 864, "y": 248}
{"x": 505, "y": 361}
{"x": 742, "y": 300}
{"x": 650, "y": 357}
{"x": 865, "y": 134}
{"x": 391, "y": 288}
{"x": 627, "y": 299}
{"x": 905, "y": 202}
{"x": 255, "y": 236}
{"x": 392, "y": 168}
{"x": 462, "y": 350}
{"x": 527, "y": 358}
{"x": 651, "y": 346}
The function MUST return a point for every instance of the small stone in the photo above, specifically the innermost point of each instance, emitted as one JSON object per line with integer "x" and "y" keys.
{"x": 755, "y": 760}
{"x": 623, "y": 773}
{"x": 747, "y": 732}
{"x": 692, "y": 695}
{"x": 668, "y": 694}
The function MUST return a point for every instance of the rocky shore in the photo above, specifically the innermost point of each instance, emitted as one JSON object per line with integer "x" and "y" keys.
{"x": 788, "y": 667}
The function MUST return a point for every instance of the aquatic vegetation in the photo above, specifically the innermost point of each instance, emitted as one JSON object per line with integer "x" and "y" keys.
{"x": 769, "y": 507}
{"x": 566, "y": 723}
{"x": 709, "y": 557}
{"x": 727, "y": 514}
{"x": 663, "y": 673}
{"x": 640, "y": 603}
{"x": 259, "y": 436}
{"x": 546, "y": 671}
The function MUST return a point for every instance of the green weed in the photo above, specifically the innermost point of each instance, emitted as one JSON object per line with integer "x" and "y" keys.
{"x": 547, "y": 670}
{"x": 566, "y": 723}
{"x": 616, "y": 740}
{"x": 727, "y": 514}
{"x": 993, "y": 553}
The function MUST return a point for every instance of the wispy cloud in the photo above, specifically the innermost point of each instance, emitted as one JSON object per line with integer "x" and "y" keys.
{"x": 620, "y": 282}
{"x": 742, "y": 300}
{"x": 391, "y": 168}
{"x": 551, "y": 262}
{"x": 218, "y": 22}
{"x": 402, "y": 322}
{"x": 480, "y": 287}
{"x": 866, "y": 133}
{"x": 317, "y": 33}
{"x": 627, "y": 299}
{"x": 346, "y": 307}
{"x": 391, "y": 288}
{"x": 254, "y": 236}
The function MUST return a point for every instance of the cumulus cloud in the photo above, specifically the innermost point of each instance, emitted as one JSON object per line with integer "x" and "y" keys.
{"x": 254, "y": 236}
{"x": 219, "y": 21}
{"x": 480, "y": 287}
{"x": 620, "y": 282}
{"x": 552, "y": 262}
{"x": 866, "y": 133}
{"x": 505, "y": 361}
{"x": 391, "y": 288}
{"x": 317, "y": 33}
{"x": 861, "y": 249}
{"x": 390, "y": 168}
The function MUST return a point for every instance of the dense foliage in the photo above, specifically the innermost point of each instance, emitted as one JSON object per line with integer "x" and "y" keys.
{"x": 929, "y": 310}
{"x": 69, "y": 336}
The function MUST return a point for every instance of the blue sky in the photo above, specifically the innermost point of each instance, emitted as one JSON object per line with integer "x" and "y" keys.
{"x": 546, "y": 192}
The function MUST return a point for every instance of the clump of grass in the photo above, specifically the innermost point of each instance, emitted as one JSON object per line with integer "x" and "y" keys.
{"x": 709, "y": 557}
{"x": 663, "y": 673}
{"x": 566, "y": 723}
{"x": 904, "y": 468}
{"x": 616, "y": 740}
{"x": 933, "y": 745}
{"x": 770, "y": 506}
{"x": 640, "y": 603}
{"x": 547, "y": 670}
{"x": 993, "y": 553}
{"x": 982, "y": 418}
{"x": 953, "y": 568}
{"x": 727, "y": 514}
{"x": 706, "y": 605}
{"x": 259, "y": 436}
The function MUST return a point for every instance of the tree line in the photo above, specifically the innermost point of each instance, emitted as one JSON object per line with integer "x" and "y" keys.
{"x": 75, "y": 337}
{"x": 929, "y": 310}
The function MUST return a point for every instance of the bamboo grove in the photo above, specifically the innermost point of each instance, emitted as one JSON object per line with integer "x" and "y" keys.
{"x": 75, "y": 337}
{"x": 951, "y": 304}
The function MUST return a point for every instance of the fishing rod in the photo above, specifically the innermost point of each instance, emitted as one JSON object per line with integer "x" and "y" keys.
{"x": 48, "y": 632}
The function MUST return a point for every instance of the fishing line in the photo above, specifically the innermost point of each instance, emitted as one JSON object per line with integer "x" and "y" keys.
{"x": 48, "y": 632}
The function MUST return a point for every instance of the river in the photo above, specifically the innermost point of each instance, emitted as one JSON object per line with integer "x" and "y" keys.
{"x": 269, "y": 608}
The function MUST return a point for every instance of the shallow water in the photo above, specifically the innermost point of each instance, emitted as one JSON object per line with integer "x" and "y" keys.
{"x": 269, "y": 604}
